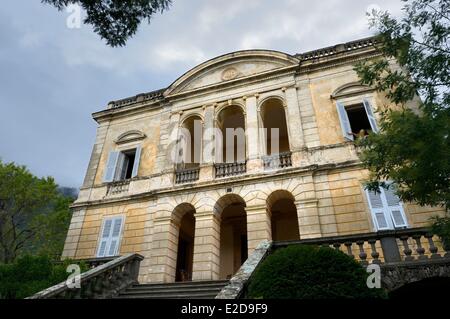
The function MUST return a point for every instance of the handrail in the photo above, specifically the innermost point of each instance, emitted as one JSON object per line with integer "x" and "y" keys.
{"x": 102, "y": 281}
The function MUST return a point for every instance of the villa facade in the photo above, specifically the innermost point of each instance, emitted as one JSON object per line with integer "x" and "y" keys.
{"x": 196, "y": 208}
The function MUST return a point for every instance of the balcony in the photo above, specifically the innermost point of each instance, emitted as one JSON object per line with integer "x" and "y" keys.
{"x": 118, "y": 187}
{"x": 277, "y": 161}
{"x": 230, "y": 169}
{"x": 187, "y": 175}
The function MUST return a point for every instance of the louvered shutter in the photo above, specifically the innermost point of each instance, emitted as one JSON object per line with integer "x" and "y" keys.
{"x": 111, "y": 166}
{"x": 376, "y": 204}
{"x": 345, "y": 123}
{"x": 394, "y": 206}
{"x": 104, "y": 239}
{"x": 122, "y": 165}
{"x": 115, "y": 237}
{"x": 137, "y": 158}
{"x": 370, "y": 115}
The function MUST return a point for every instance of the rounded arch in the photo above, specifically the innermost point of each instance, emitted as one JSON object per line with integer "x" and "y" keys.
{"x": 180, "y": 210}
{"x": 271, "y": 97}
{"x": 183, "y": 221}
{"x": 231, "y": 148}
{"x": 224, "y": 106}
{"x": 351, "y": 88}
{"x": 283, "y": 215}
{"x": 190, "y": 139}
{"x": 274, "y": 120}
{"x": 277, "y": 195}
{"x": 279, "y": 58}
{"x": 187, "y": 116}
{"x": 226, "y": 200}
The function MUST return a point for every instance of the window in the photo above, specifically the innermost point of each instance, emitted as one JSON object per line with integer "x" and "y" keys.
{"x": 387, "y": 210}
{"x": 110, "y": 237}
{"x": 122, "y": 165}
{"x": 356, "y": 119}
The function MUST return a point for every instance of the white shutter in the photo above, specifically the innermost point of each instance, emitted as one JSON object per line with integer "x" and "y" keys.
{"x": 115, "y": 237}
{"x": 370, "y": 115}
{"x": 111, "y": 166}
{"x": 345, "y": 123}
{"x": 395, "y": 209}
{"x": 137, "y": 158}
{"x": 376, "y": 204}
{"x": 110, "y": 239}
{"x": 104, "y": 239}
{"x": 121, "y": 170}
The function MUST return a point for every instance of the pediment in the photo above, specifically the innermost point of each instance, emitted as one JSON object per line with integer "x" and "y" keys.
{"x": 130, "y": 136}
{"x": 231, "y": 67}
{"x": 350, "y": 89}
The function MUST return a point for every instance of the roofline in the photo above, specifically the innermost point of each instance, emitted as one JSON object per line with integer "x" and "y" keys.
{"x": 306, "y": 56}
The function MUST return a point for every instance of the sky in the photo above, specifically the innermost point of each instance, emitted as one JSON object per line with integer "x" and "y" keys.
{"x": 52, "y": 77}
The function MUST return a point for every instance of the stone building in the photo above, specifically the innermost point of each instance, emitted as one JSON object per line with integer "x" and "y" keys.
{"x": 201, "y": 217}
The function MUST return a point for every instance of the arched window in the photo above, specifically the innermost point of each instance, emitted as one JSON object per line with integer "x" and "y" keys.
{"x": 231, "y": 122}
{"x": 275, "y": 144}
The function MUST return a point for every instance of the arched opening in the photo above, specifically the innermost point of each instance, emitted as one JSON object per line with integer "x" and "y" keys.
{"x": 190, "y": 143}
{"x": 231, "y": 122}
{"x": 274, "y": 122}
{"x": 233, "y": 234}
{"x": 284, "y": 219}
{"x": 415, "y": 290}
{"x": 185, "y": 219}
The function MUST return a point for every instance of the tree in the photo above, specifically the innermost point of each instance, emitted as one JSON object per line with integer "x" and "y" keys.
{"x": 413, "y": 147}
{"x": 115, "y": 20}
{"x": 32, "y": 213}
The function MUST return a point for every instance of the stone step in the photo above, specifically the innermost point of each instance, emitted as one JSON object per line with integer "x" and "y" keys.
{"x": 163, "y": 296}
{"x": 170, "y": 291}
{"x": 186, "y": 283}
{"x": 177, "y": 290}
{"x": 177, "y": 287}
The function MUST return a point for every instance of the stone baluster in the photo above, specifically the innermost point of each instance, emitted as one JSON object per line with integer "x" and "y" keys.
{"x": 406, "y": 250}
{"x": 348, "y": 244}
{"x": 375, "y": 255}
{"x": 362, "y": 253}
{"x": 433, "y": 248}
{"x": 420, "y": 250}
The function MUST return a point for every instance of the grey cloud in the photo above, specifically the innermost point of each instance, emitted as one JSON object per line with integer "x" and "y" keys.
{"x": 52, "y": 78}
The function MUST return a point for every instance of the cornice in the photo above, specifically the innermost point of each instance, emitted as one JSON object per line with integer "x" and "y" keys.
{"x": 224, "y": 183}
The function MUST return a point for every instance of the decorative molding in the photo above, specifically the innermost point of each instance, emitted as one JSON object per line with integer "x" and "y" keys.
{"x": 349, "y": 89}
{"x": 130, "y": 136}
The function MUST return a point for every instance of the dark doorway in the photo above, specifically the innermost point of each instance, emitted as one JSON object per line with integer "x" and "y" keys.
{"x": 185, "y": 253}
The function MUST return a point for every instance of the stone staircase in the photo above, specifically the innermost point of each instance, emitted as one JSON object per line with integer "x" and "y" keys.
{"x": 178, "y": 290}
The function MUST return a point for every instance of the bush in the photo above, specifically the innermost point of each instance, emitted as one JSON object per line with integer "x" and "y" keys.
{"x": 30, "y": 274}
{"x": 441, "y": 227}
{"x": 310, "y": 272}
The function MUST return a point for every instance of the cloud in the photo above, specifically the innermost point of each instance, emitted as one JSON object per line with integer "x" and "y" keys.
{"x": 54, "y": 77}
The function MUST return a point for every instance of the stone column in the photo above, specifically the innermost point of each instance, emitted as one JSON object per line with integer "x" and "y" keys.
{"x": 164, "y": 250}
{"x": 258, "y": 226}
{"x": 308, "y": 218}
{"x": 206, "y": 167}
{"x": 206, "y": 247}
{"x": 251, "y": 127}
{"x": 293, "y": 120}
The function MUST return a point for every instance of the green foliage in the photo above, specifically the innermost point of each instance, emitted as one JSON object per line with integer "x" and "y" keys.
{"x": 413, "y": 147}
{"x": 34, "y": 217}
{"x": 115, "y": 20}
{"x": 30, "y": 274}
{"x": 310, "y": 272}
{"x": 441, "y": 227}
